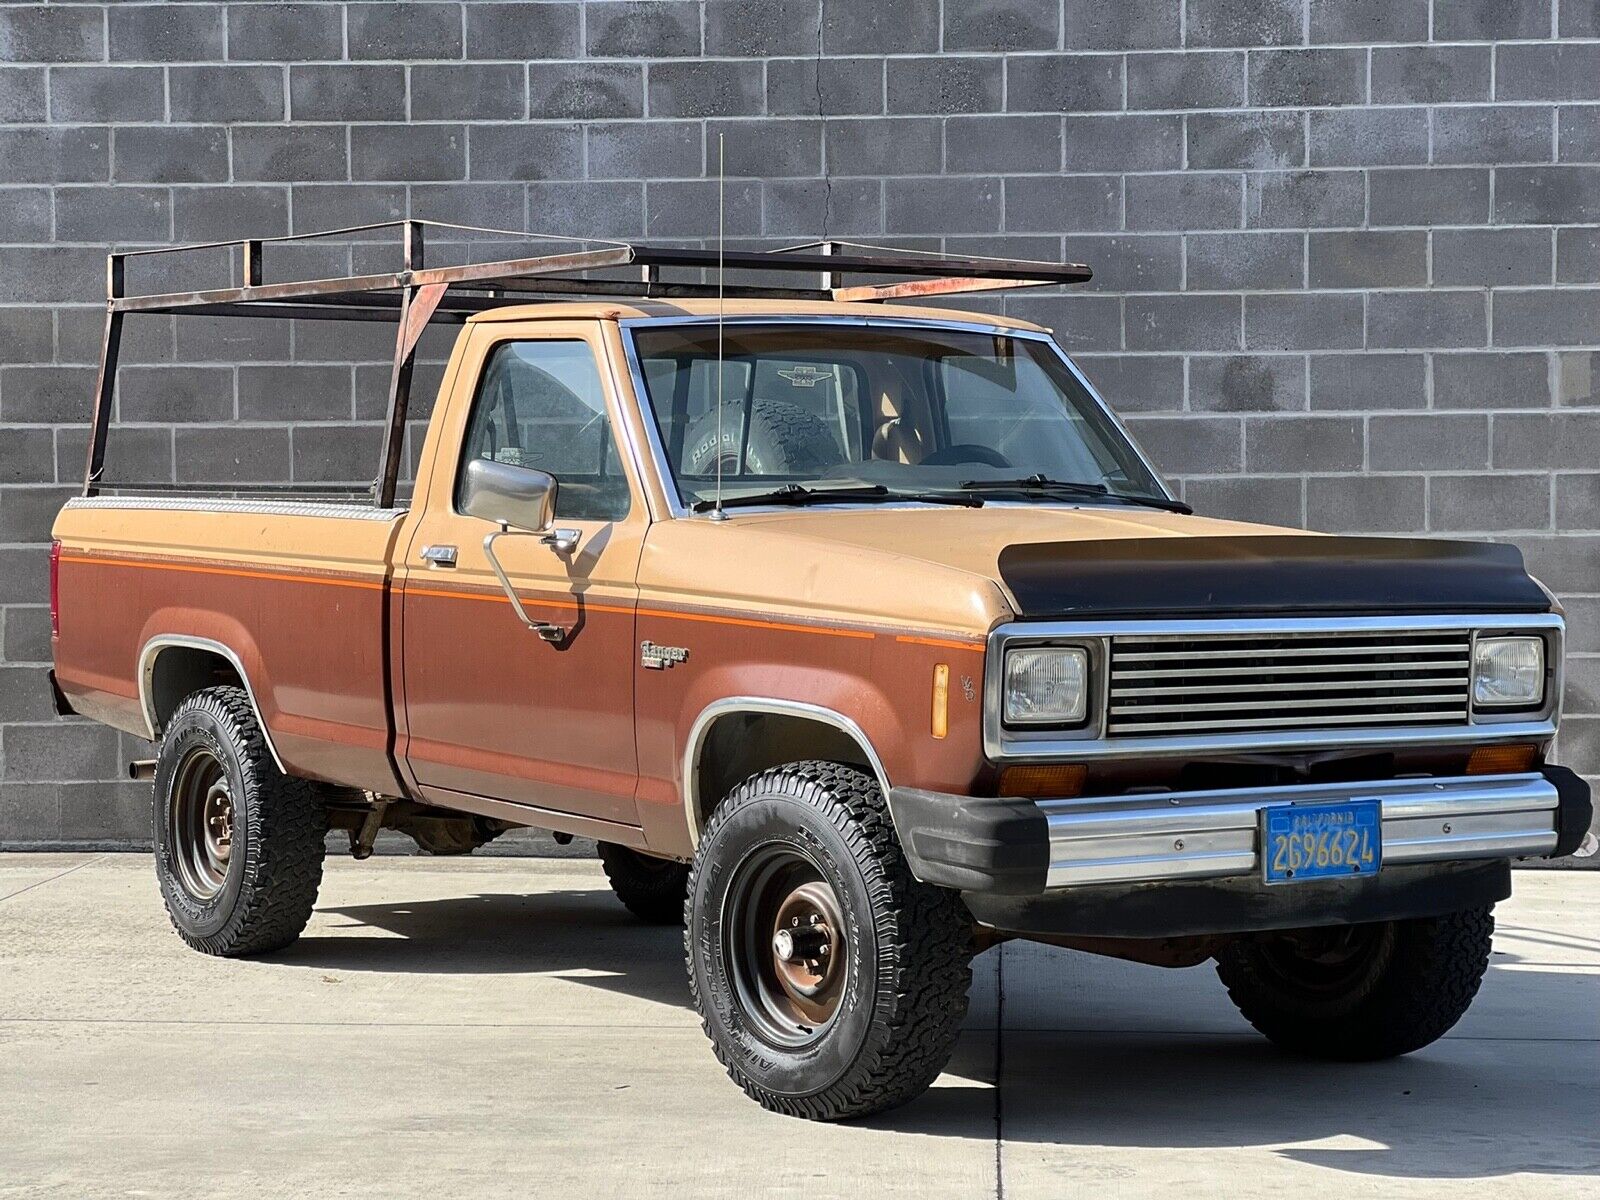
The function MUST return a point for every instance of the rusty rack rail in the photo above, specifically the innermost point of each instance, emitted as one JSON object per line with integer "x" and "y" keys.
{"x": 415, "y": 295}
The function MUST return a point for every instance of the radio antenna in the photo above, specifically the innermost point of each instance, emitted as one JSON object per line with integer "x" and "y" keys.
{"x": 717, "y": 514}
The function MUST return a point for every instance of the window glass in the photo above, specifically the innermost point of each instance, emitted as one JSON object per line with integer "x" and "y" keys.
{"x": 909, "y": 409}
{"x": 541, "y": 405}
{"x": 1006, "y": 403}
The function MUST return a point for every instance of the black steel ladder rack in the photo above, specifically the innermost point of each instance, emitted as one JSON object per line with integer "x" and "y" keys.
{"x": 415, "y": 295}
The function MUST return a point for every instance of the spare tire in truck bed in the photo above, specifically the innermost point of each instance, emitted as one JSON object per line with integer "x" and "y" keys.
{"x": 785, "y": 439}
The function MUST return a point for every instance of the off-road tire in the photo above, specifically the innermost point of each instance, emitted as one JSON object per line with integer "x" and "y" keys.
{"x": 652, "y": 888}
{"x": 279, "y": 823}
{"x": 910, "y": 970}
{"x": 1421, "y": 977}
{"x": 785, "y": 439}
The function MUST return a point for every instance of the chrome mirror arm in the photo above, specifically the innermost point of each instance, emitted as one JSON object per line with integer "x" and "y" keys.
{"x": 547, "y": 631}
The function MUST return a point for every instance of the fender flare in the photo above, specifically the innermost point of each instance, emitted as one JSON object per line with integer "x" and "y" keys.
{"x": 731, "y": 705}
{"x": 151, "y": 651}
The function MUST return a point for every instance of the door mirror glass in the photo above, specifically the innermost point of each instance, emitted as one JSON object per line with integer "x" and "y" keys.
{"x": 521, "y": 497}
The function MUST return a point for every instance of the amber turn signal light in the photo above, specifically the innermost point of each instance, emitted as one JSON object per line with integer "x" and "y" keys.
{"x": 1048, "y": 781}
{"x": 1501, "y": 760}
{"x": 941, "y": 700}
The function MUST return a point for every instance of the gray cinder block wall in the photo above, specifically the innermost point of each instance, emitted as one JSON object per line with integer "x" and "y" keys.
{"x": 1347, "y": 250}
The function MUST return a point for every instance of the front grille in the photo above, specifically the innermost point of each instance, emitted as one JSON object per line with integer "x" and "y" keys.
{"x": 1232, "y": 683}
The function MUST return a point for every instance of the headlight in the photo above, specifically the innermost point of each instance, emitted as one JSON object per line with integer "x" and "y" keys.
{"x": 1508, "y": 672}
{"x": 1048, "y": 685}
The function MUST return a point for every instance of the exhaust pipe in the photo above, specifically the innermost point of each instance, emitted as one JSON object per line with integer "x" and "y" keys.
{"x": 142, "y": 768}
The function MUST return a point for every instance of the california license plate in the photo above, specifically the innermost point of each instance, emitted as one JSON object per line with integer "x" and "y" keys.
{"x": 1321, "y": 841}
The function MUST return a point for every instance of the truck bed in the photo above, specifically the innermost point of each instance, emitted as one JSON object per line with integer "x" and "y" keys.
{"x": 297, "y": 592}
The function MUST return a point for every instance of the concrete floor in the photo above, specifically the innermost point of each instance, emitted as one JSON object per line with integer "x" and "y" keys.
{"x": 485, "y": 1027}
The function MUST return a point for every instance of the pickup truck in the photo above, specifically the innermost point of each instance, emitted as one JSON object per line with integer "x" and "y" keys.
{"x": 860, "y": 636}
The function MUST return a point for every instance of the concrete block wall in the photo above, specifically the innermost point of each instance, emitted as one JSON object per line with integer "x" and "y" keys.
{"x": 1348, "y": 251}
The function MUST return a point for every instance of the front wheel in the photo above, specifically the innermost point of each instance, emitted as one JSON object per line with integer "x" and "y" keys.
{"x": 831, "y": 982}
{"x": 1360, "y": 992}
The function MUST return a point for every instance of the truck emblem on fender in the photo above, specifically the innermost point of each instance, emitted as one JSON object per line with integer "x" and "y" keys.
{"x": 659, "y": 657}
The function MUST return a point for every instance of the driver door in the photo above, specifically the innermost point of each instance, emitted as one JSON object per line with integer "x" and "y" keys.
{"x": 492, "y": 709}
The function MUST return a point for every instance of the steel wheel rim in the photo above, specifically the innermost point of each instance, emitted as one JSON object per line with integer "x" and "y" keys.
{"x": 787, "y": 947}
{"x": 1326, "y": 963}
{"x": 201, "y": 820}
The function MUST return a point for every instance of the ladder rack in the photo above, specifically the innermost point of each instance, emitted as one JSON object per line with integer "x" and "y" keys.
{"x": 414, "y": 294}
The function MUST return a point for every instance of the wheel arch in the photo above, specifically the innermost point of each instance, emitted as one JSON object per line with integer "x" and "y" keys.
{"x": 768, "y": 732}
{"x": 173, "y": 666}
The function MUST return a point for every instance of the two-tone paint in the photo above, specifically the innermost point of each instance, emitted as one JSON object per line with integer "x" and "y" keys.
{"x": 377, "y": 666}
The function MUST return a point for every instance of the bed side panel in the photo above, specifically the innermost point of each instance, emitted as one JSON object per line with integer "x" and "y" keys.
{"x": 299, "y": 595}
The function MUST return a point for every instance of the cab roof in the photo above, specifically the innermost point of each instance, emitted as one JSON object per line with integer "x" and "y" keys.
{"x": 613, "y": 310}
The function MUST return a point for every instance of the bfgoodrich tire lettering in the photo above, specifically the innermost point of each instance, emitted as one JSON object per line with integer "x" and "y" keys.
{"x": 260, "y": 897}
{"x": 785, "y": 439}
{"x": 904, "y": 990}
{"x": 1360, "y": 992}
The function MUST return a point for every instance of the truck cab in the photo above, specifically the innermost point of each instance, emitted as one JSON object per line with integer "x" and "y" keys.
{"x": 860, "y": 636}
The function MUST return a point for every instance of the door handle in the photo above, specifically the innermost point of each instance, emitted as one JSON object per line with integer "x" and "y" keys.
{"x": 439, "y": 556}
{"x": 562, "y": 541}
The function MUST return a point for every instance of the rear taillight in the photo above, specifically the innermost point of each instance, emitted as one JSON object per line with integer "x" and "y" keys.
{"x": 55, "y": 590}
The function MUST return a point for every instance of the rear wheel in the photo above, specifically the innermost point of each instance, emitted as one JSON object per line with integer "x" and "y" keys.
{"x": 239, "y": 844}
{"x": 651, "y": 888}
{"x": 1360, "y": 992}
{"x": 831, "y": 982}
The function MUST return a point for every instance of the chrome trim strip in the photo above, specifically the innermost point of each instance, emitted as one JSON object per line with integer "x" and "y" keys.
{"x": 653, "y": 429}
{"x": 1111, "y": 415}
{"x": 1196, "y": 835}
{"x": 146, "y": 677}
{"x": 761, "y": 704}
{"x": 620, "y": 419}
{"x": 676, "y": 508}
{"x": 1002, "y": 745}
{"x": 278, "y": 508}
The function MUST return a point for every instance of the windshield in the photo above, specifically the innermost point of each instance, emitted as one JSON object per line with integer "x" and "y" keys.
{"x": 907, "y": 410}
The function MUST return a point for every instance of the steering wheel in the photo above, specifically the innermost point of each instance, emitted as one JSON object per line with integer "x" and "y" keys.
{"x": 966, "y": 452}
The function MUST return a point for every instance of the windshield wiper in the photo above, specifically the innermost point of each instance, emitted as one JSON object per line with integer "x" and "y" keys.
{"x": 1042, "y": 485}
{"x": 795, "y": 494}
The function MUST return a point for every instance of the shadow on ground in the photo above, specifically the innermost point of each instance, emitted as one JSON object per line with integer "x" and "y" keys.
{"x": 1472, "y": 1107}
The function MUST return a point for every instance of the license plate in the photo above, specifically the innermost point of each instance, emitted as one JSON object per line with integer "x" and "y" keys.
{"x": 1321, "y": 841}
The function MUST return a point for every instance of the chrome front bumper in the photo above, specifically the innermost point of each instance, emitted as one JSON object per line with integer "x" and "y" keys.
{"x": 1024, "y": 847}
{"x": 1215, "y": 834}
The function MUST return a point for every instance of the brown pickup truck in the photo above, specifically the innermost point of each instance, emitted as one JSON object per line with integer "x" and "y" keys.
{"x": 860, "y": 636}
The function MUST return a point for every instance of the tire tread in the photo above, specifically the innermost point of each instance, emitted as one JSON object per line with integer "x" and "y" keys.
{"x": 1430, "y": 980}
{"x": 923, "y": 931}
{"x": 284, "y": 865}
{"x": 655, "y": 897}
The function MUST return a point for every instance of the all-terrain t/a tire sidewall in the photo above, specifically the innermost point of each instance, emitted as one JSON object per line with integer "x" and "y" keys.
{"x": 805, "y": 1071}
{"x": 198, "y": 727}
{"x": 278, "y": 823}
{"x": 898, "y": 1008}
{"x": 783, "y": 439}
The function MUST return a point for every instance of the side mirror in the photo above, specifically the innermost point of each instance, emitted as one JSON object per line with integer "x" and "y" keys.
{"x": 521, "y": 497}
{"x": 520, "y": 500}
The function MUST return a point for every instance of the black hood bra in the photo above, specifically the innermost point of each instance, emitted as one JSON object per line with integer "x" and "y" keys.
{"x": 1267, "y": 576}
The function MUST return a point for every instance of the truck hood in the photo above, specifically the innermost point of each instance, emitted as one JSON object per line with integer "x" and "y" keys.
{"x": 1063, "y": 561}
